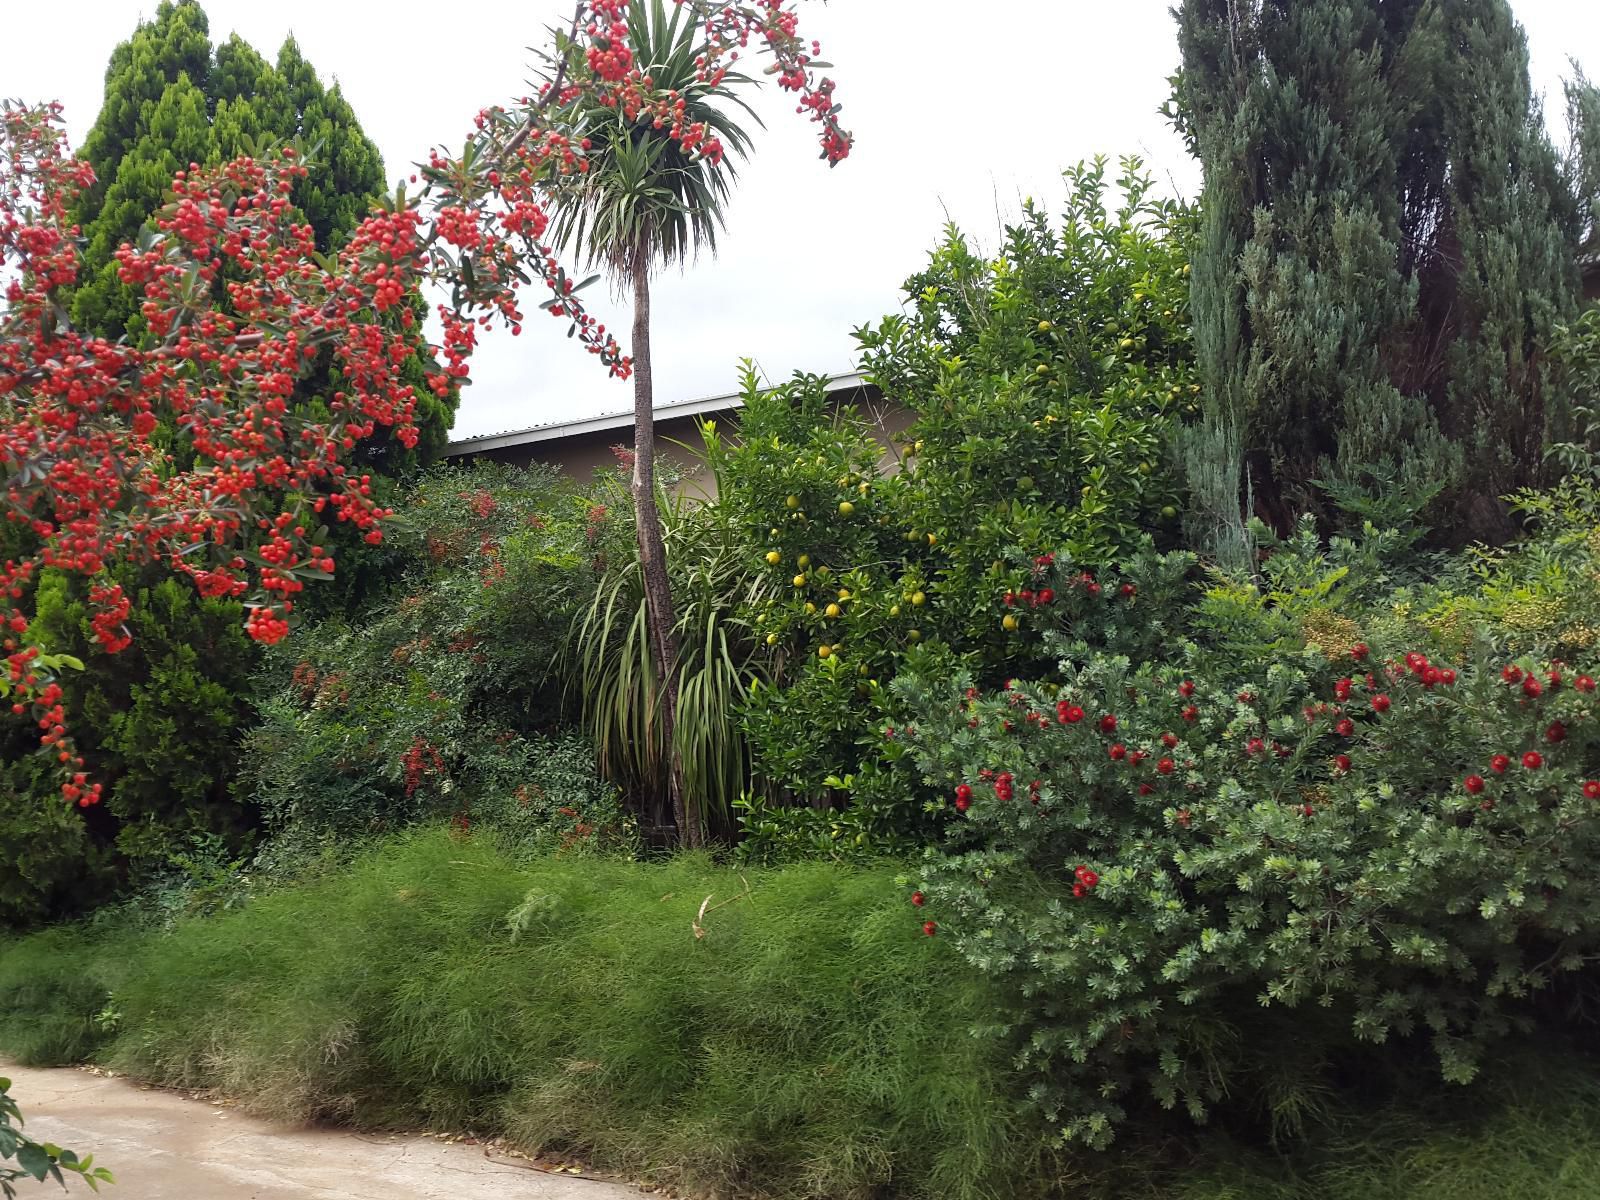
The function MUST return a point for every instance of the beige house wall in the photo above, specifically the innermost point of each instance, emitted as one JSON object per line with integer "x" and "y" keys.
{"x": 679, "y": 440}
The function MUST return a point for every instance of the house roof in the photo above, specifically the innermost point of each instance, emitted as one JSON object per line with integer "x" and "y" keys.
{"x": 552, "y": 431}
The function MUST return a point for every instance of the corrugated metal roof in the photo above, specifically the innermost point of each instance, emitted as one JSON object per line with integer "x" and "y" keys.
{"x": 556, "y": 430}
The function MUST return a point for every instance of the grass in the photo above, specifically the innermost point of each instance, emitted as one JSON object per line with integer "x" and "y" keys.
{"x": 811, "y": 1045}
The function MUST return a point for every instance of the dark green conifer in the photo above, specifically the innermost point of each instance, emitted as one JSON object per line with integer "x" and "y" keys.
{"x": 1389, "y": 240}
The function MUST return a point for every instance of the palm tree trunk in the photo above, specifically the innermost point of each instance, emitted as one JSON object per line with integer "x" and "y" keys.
{"x": 659, "y": 612}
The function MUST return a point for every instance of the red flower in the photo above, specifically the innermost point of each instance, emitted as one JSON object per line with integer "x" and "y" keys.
{"x": 1447, "y": 677}
{"x": 918, "y": 899}
{"x": 1165, "y": 766}
{"x": 1416, "y": 663}
{"x": 1511, "y": 673}
{"x": 1554, "y": 679}
{"x": 1533, "y": 760}
{"x": 1254, "y": 746}
{"x": 1557, "y": 732}
{"x": 1047, "y": 596}
{"x": 1070, "y": 714}
{"x": 1499, "y": 763}
{"x": 963, "y": 804}
{"x": 1583, "y": 683}
{"x": 1473, "y": 784}
{"x": 1191, "y": 713}
{"x": 1079, "y": 891}
{"x": 1342, "y": 761}
{"x": 1128, "y": 591}
{"x": 1345, "y": 728}
{"x": 1093, "y": 589}
{"x": 1359, "y": 651}
{"x": 1169, "y": 740}
{"x": 963, "y": 792}
{"x": 1186, "y": 688}
{"x": 1380, "y": 703}
{"x": 1145, "y": 789}
{"x": 1247, "y": 697}
{"x": 1118, "y": 751}
{"x": 1108, "y": 724}
{"x": 930, "y": 927}
{"x": 1341, "y": 690}
{"x": 1532, "y": 688}
{"x": 1592, "y": 789}
{"x": 1087, "y": 877}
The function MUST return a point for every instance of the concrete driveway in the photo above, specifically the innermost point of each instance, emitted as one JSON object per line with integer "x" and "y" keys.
{"x": 163, "y": 1146}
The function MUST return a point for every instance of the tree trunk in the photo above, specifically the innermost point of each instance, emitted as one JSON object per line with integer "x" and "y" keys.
{"x": 659, "y": 612}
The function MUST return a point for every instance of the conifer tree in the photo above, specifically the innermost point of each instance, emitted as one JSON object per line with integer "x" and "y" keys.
{"x": 171, "y": 100}
{"x": 1389, "y": 240}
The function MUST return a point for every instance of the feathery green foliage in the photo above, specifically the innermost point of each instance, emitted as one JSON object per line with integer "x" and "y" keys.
{"x": 809, "y": 1045}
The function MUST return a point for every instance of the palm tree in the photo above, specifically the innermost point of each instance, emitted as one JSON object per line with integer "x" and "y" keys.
{"x": 647, "y": 202}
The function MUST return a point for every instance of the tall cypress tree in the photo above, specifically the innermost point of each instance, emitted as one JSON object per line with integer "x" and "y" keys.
{"x": 1389, "y": 239}
{"x": 165, "y": 727}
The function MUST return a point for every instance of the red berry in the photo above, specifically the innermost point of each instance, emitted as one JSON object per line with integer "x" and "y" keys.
{"x": 918, "y": 899}
{"x": 1473, "y": 784}
{"x": 1499, "y": 763}
{"x": 1533, "y": 760}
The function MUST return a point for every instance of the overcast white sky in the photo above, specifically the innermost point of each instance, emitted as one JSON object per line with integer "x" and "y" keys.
{"x": 956, "y": 109}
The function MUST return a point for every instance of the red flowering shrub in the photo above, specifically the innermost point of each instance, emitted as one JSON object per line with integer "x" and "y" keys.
{"x": 1294, "y": 870}
{"x": 243, "y": 511}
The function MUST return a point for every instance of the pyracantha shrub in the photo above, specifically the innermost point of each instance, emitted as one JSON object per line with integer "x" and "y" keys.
{"x": 1187, "y": 873}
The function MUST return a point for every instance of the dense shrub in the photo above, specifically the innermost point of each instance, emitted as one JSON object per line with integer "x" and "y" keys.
{"x": 1043, "y": 383}
{"x": 1202, "y": 871}
{"x": 436, "y": 700}
{"x": 160, "y": 727}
